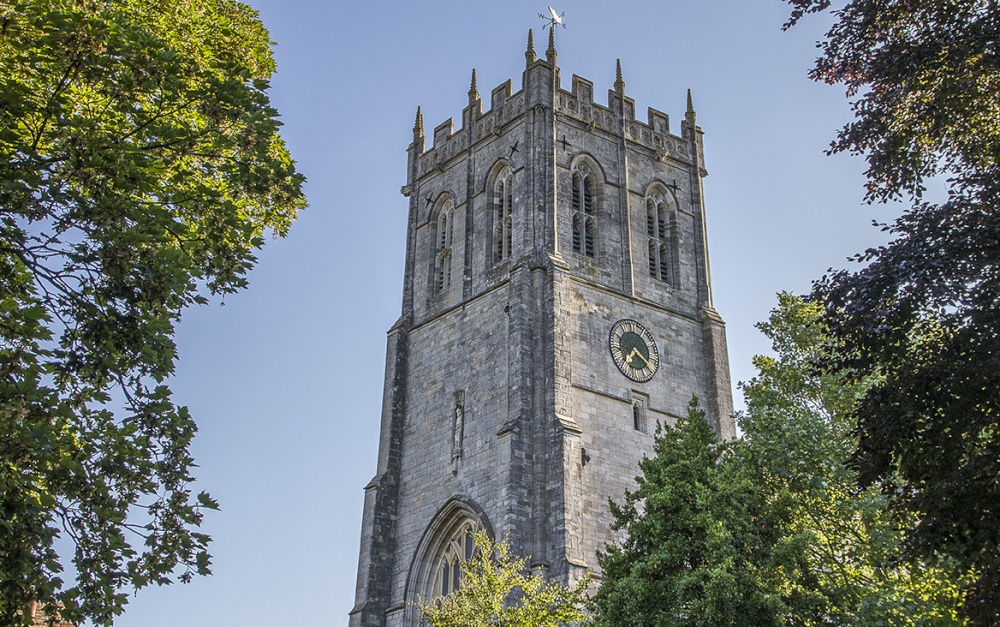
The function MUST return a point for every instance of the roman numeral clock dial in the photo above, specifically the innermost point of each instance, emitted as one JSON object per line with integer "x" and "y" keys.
{"x": 634, "y": 351}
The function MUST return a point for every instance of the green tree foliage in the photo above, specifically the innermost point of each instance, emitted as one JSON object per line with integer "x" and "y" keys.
{"x": 922, "y": 312}
{"x": 771, "y": 529}
{"x": 703, "y": 544}
{"x": 497, "y": 591}
{"x": 140, "y": 167}
{"x": 799, "y": 438}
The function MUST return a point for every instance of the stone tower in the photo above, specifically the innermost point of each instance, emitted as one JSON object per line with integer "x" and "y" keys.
{"x": 556, "y": 304}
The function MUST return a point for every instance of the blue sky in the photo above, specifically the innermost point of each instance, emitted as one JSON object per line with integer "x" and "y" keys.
{"x": 285, "y": 379}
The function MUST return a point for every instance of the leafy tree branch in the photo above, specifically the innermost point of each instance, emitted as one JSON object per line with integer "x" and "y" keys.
{"x": 140, "y": 168}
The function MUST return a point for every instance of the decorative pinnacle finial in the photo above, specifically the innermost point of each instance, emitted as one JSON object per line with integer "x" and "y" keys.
{"x": 529, "y": 54}
{"x": 619, "y": 83}
{"x": 690, "y": 118}
{"x": 418, "y": 124}
{"x": 473, "y": 91}
{"x": 550, "y": 54}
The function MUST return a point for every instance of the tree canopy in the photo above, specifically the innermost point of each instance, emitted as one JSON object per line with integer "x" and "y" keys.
{"x": 799, "y": 435}
{"x": 140, "y": 168}
{"x": 921, "y": 311}
{"x": 701, "y": 541}
{"x": 771, "y": 529}
{"x": 497, "y": 591}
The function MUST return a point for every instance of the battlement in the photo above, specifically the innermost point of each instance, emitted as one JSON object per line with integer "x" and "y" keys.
{"x": 507, "y": 107}
{"x": 449, "y": 143}
{"x": 654, "y": 134}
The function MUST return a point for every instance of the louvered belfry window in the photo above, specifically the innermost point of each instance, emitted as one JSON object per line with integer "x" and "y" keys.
{"x": 503, "y": 200}
{"x": 584, "y": 212}
{"x": 442, "y": 261}
{"x": 658, "y": 231}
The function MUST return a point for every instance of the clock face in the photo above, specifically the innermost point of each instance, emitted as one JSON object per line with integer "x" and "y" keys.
{"x": 634, "y": 351}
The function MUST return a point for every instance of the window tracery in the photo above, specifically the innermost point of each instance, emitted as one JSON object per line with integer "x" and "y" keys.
{"x": 458, "y": 550}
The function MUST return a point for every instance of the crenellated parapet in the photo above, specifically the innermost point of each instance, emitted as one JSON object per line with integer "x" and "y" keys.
{"x": 616, "y": 118}
{"x": 449, "y": 144}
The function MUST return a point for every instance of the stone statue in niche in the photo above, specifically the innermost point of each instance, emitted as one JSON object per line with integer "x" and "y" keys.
{"x": 458, "y": 426}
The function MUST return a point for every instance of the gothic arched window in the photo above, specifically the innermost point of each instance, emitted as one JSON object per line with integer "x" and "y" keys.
{"x": 447, "y": 543}
{"x": 660, "y": 237}
{"x": 503, "y": 201}
{"x": 442, "y": 259}
{"x": 584, "y": 211}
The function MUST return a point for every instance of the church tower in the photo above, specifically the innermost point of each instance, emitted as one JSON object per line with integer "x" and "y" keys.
{"x": 557, "y": 302}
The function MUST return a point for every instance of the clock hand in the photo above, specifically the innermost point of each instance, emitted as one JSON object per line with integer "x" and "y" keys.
{"x": 635, "y": 353}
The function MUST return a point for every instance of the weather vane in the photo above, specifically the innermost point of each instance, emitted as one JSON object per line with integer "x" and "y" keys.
{"x": 553, "y": 18}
